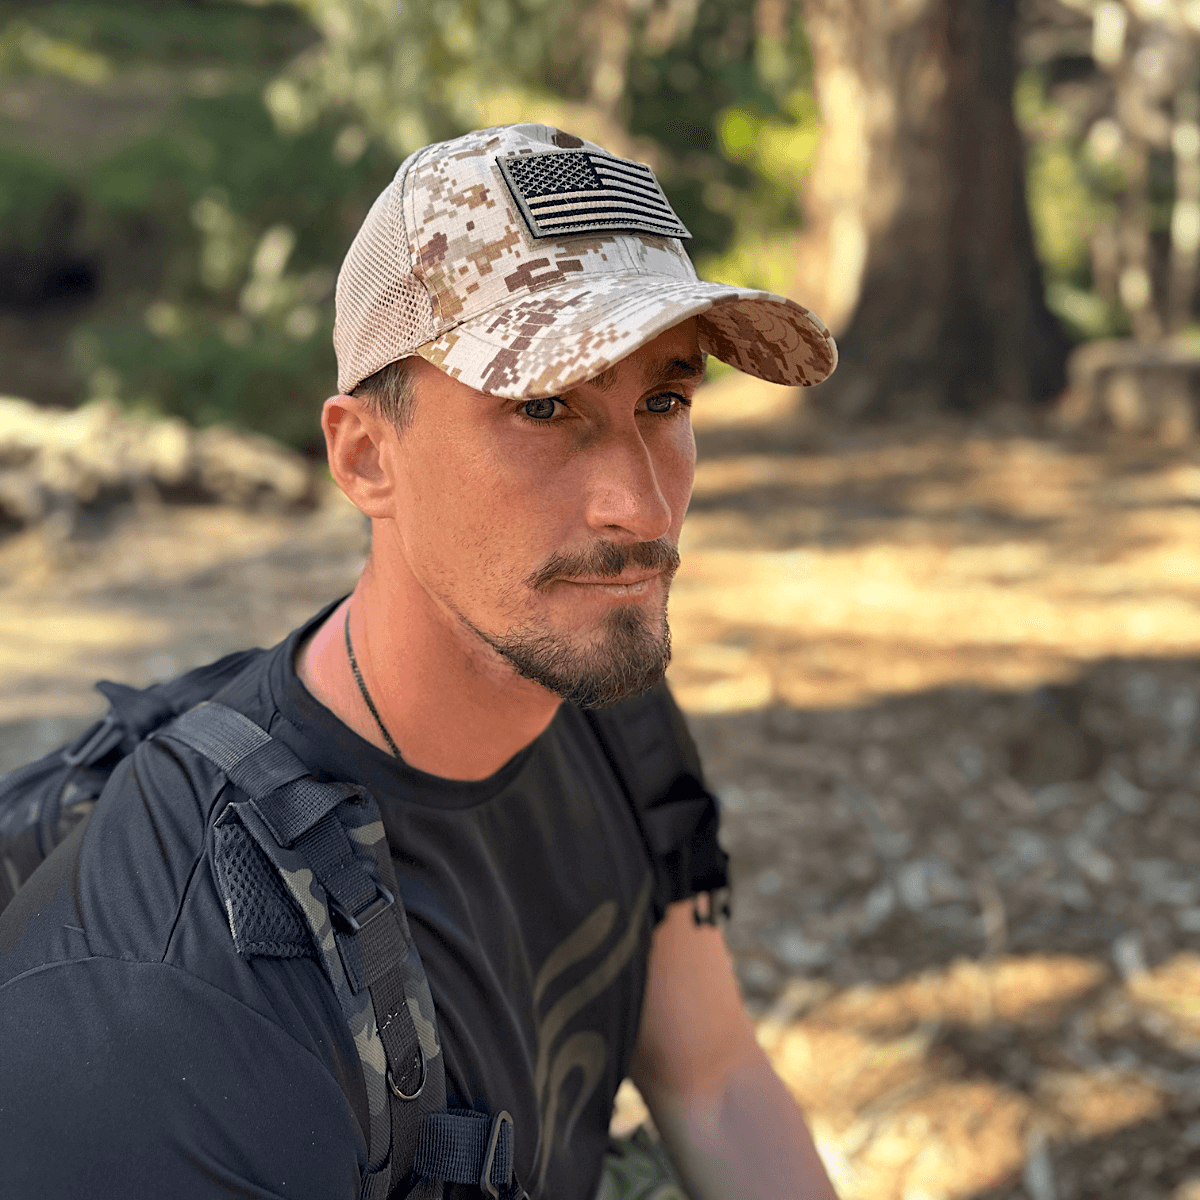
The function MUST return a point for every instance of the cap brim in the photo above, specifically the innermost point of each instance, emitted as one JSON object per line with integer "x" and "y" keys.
{"x": 552, "y": 339}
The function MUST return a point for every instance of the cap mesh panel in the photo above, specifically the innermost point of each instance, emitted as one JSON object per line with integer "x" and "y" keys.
{"x": 383, "y": 310}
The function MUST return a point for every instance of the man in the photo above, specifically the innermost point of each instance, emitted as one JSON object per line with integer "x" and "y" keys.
{"x": 519, "y": 337}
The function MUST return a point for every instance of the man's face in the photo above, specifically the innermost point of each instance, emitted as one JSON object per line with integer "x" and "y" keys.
{"x": 547, "y": 529}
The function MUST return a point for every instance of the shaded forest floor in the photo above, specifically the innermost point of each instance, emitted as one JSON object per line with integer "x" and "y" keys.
{"x": 947, "y": 686}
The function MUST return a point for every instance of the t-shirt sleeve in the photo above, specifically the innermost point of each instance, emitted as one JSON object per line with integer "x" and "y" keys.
{"x": 677, "y": 812}
{"x": 685, "y": 820}
{"x": 129, "y": 1078}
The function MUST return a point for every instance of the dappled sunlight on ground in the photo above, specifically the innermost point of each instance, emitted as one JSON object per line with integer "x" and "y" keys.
{"x": 147, "y": 592}
{"x": 902, "y": 1109}
{"x": 831, "y": 577}
{"x": 946, "y": 684}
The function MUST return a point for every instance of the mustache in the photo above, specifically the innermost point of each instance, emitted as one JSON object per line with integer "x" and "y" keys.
{"x": 608, "y": 559}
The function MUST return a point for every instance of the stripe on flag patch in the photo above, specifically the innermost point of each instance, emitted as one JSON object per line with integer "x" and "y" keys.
{"x": 579, "y": 192}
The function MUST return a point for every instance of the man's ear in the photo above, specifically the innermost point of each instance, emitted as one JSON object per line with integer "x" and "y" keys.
{"x": 361, "y": 447}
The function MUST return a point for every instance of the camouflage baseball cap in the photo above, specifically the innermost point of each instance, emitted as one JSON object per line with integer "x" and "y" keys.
{"x": 522, "y": 260}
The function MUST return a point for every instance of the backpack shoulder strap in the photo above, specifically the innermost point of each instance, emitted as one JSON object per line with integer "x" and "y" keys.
{"x": 326, "y": 861}
{"x": 650, "y": 750}
{"x": 326, "y": 843}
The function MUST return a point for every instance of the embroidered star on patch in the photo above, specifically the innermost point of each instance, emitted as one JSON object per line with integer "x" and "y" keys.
{"x": 580, "y": 192}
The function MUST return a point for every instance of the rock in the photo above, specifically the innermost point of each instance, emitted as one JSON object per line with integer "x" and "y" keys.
{"x": 877, "y": 907}
{"x": 166, "y": 452}
{"x": 1165, "y": 882}
{"x": 241, "y": 468}
{"x": 1128, "y": 955}
{"x": 1122, "y": 793}
{"x": 758, "y": 973}
{"x": 798, "y": 952}
{"x": 21, "y": 498}
{"x": 50, "y": 460}
{"x": 1088, "y": 859}
{"x": 913, "y": 885}
{"x": 769, "y": 881}
{"x": 1038, "y": 1175}
{"x": 927, "y": 881}
{"x": 1054, "y": 796}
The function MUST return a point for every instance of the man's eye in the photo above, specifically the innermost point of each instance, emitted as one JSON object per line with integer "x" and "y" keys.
{"x": 539, "y": 410}
{"x": 663, "y": 402}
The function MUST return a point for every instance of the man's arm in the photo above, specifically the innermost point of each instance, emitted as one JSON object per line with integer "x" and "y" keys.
{"x": 732, "y": 1129}
{"x": 135, "y": 1079}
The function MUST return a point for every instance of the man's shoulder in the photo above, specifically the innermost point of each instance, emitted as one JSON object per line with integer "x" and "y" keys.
{"x": 130, "y": 902}
{"x": 117, "y": 885}
{"x": 648, "y": 743}
{"x": 133, "y": 1078}
{"x": 135, "y": 882}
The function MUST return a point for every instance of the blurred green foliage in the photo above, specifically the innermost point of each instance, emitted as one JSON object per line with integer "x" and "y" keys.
{"x": 213, "y": 158}
{"x": 1075, "y": 183}
{"x": 208, "y": 162}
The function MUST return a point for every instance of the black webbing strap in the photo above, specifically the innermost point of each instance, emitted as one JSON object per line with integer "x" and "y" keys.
{"x": 134, "y": 713}
{"x": 416, "y": 1083}
{"x": 464, "y": 1146}
{"x": 370, "y": 926}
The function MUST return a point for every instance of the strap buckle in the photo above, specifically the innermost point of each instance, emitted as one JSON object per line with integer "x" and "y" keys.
{"x": 717, "y": 906}
{"x": 356, "y": 924}
{"x": 82, "y": 750}
{"x": 485, "y": 1179}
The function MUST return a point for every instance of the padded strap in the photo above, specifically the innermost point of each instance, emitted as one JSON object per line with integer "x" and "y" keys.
{"x": 335, "y": 872}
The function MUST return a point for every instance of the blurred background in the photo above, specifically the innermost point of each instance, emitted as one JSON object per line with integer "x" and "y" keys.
{"x": 936, "y": 629}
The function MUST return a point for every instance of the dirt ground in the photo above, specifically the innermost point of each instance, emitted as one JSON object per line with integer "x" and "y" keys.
{"x": 946, "y": 683}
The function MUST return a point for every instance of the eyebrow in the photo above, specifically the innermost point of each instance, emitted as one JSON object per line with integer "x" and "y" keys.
{"x": 671, "y": 371}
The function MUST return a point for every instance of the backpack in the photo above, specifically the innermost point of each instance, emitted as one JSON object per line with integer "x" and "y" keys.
{"x": 302, "y": 865}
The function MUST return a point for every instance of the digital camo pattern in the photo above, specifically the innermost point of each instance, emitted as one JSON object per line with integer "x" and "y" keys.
{"x": 518, "y": 316}
{"x": 548, "y": 342}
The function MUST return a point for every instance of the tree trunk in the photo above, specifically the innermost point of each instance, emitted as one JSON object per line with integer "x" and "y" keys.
{"x": 918, "y": 251}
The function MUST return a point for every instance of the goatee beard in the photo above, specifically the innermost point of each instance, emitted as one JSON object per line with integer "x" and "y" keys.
{"x": 629, "y": 660}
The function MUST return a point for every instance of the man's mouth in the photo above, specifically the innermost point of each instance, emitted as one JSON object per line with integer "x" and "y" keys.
{"x": 622, "y": 569}
{"x": 626, "y": 579}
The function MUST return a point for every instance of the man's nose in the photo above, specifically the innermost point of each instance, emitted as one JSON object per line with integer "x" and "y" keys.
{"x": 624, "y": 492}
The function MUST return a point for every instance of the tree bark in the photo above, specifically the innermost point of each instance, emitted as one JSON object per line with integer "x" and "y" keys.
{"x": 918, "y": 251}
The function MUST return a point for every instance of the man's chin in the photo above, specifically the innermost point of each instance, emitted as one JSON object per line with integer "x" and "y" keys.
{"x": 622, "y": 660}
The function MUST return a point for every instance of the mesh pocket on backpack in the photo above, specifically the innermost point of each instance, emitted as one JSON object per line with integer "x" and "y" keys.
{"x": 262, "y": 916}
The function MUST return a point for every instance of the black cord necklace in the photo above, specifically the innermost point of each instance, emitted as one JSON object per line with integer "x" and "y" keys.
{"x": 362, "y": 687}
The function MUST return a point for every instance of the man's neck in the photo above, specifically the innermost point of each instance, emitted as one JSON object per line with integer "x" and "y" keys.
{"x": 453, "y": 710}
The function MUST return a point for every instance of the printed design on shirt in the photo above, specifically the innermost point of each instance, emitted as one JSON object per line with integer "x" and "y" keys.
{"x": 584, "y": 1052}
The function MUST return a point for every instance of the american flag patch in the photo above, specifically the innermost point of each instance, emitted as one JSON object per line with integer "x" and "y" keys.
{"x": 580, "y": 192}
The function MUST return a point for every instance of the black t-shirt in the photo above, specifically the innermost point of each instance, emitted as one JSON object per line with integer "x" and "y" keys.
{"x": 143, "y": 1056}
